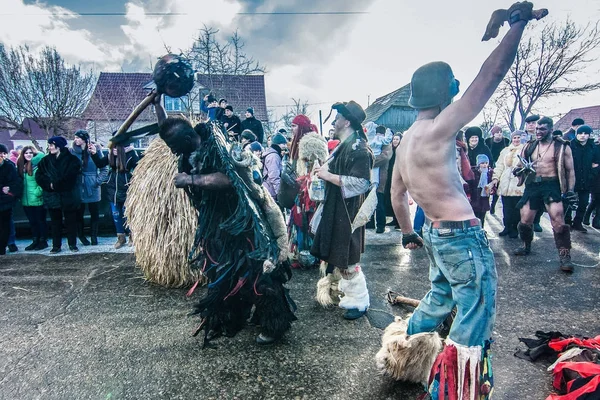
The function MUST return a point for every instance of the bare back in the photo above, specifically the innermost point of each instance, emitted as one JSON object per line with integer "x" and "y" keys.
{"x": 426, "y": 166}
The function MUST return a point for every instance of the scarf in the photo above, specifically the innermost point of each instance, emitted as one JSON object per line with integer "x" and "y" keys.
{"x": 483, "y": 181}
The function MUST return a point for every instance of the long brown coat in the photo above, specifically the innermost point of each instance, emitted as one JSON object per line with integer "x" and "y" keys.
{"x": 334, "y": 241}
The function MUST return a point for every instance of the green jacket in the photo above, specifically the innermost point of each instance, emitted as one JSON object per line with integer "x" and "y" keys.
{"x": 32, "y": 192}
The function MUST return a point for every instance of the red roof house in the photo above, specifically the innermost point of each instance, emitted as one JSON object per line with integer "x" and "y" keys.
{"x": 591, "y": 116}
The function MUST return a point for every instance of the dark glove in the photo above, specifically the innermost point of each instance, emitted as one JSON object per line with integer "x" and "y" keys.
{"x": 571, "y": 199}
{"x": 412, "y": 238}
{"x": 520, "y": 11}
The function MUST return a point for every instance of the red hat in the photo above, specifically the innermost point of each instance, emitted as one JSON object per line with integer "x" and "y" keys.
{"x": 302, "y": 121}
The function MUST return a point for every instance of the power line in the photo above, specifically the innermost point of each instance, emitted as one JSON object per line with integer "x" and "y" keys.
{"x": 161, "y": 14}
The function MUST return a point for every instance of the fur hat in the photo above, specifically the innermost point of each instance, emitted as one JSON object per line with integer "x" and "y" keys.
{"x": 58, "y": 141}
{"x": 312, "y": 147}
{"x": 473, "y": 131}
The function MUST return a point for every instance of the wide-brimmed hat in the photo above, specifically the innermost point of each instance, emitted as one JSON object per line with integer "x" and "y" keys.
{"x": 352, "y": 111}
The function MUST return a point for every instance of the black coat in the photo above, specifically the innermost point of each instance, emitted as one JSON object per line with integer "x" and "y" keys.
{"x": 496, "y": 148}
{"x": 583, "y": 158}
{"x": 118, "y": 181}
{"x": 234, "y": 124}
{"x": 58, "y": 178}
{"x": 256, "y": 127}
{"x": 480, "y": 149}
{"x": 10, "y": 178}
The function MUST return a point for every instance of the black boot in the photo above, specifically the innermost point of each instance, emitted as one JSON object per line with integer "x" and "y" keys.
{"x": 526, "y": 232}
{"x": 587, "y": 216}
{"x": 33, "y": 245}
{"x": 42, "y": 244}
{"x": 94, "y": 238}
{"x": 577, "y": 226}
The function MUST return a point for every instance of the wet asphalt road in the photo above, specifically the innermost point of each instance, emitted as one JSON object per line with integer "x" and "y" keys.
{"x": 87, "y": 326}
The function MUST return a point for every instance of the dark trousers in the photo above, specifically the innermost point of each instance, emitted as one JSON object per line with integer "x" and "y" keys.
{"x": 5, "y": 217}
{"x": 94, "y": 215}
{"x": 37, "y": 221}
{"x": 380, "y": 211}
{"x": 56, "y": 216}
{"x": 584, "y": 199}
{"x": 510, "y": 212}
{"x": 494, "y": 201}
{"x": 594, "y": 204}
{"x": 481, "y": 216}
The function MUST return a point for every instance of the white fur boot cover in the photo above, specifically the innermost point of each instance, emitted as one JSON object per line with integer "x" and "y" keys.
{"x": 355, "y": 292}
{"x": 407, "y": 357}
{"x": 327, "y": 287}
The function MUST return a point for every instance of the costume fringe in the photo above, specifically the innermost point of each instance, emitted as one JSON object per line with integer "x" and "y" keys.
{"x": 462, "y": 372}
{"x": 328, "y": 293}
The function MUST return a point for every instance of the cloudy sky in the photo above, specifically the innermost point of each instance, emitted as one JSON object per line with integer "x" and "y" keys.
{"x": 320, "y": 58}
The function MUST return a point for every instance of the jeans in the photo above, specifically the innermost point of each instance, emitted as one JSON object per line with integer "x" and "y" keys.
{"x": 37, "y": 221}
{"x": 118, "y": 213}
{"x": 419, "y": 219}
{"x": 462, "y": 272}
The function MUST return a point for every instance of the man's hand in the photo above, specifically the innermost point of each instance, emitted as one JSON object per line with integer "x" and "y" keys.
{"x": 411, "y": 241}
{"x": 157, "y": 99}
{"x": 520, "y": 11}
{"x": 5, "y": 189}
{"x": 323, "y": 173}
{"x": 182, "y": 180}
{"x": 571, "y": 198}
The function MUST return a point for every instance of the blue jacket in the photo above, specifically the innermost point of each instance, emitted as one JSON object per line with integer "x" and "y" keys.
{"x": 91, "y": 176}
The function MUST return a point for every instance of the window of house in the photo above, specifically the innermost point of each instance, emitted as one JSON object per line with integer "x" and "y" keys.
{"x": 176, "y": 104}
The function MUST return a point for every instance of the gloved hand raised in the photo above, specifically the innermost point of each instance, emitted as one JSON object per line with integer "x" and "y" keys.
{"x": 411, "y": 241}
{"x": 520, "y": 11}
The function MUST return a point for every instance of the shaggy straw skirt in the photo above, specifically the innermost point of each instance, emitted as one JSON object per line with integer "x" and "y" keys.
{"x": 161, "y": 218}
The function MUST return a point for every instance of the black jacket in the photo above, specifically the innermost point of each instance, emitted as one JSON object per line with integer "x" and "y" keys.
{"x": 583, "y": 158}
{"x": 496, "y": 148}
{"x": 480, "y": 149}
{"x": 10, "y": 178}
{"x": 256, "y": 127}
{"x": 118, "y": 181}
{"x": 234, "y": 124}
{"x": 58, "y": 178}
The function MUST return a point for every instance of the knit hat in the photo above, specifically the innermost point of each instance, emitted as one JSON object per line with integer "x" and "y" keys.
{"x": 278, "y": 139}
{"x": 83, "y": 134}
{"x": 250, "y": 110}
{"x": 302, "y": 121}
{"x": 577, "y": 121}
{"x": 255, "y": 146}
{"x": 532, "y": 118}
{"x": 495, "y": 129}
{"x": 473, "y": 131}
{"x": 517, "y": 133}
{"x": 282, "y": 131}
{"x": 211, "y": 99}
{"x": 3, "y": 149}
{"x": 584, "y": 129}
{"x": 58, "y": 141}
{"x": 229, "y": 107}
{"x": 482, "y": 158}
{"x": 222, "y": 100}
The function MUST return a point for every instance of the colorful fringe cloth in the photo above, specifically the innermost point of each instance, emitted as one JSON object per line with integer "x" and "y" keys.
{"x": 462, "y": 372}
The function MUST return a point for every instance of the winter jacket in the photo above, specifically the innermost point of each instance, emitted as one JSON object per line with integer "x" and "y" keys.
{"x": 382, "y": 162}
{"x": 256, "y": 127}
{"x": 10, "y": 178}
{"x": 583, "y": 158}
{"x": 480, "y": 203}
{"x": 496, "y": 147}
{"x": 117, "y": 182}
{"x": 480, "y": 149}
{"x": 234, "y": 124}
{"x": 91, "y": 176}
{"x": 210, "y": 111}
{"x": 595, "y": 182}
{"x": 32, "y": 192}
{"x": 272, "y": 170}
{"x": 58, "y": 177}
{"x": 507, "y": 182}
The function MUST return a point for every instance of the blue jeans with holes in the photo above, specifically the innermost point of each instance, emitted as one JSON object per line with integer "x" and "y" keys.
{"x": 462, "y": 272}
{"x": 118, "y": 213}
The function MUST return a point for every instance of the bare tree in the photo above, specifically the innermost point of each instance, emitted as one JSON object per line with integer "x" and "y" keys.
{"x": 211, "y": 56}
{"x": 41, "y": 87}
{"x": 270, "y": 126}
{"x": 299, "y": 107}
{"x": 547, "y": 64}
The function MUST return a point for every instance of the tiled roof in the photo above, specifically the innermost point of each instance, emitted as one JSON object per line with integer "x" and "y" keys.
{"x": 241, "y": 91}
{"x": 8, "y": 133}
{"x": 591, "y": 116}
{"x": 382, "y": 104}
{"x": 116, "y": 95}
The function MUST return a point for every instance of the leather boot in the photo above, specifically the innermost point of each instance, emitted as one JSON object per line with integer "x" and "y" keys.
{"x": 94, "y": 238}
{"x": 562, "y": 239}
{"x": 526, "y": 232}
{"x": 506, "y": 229}
{"x": 121, "y": 241}
{"x": 42, "y": 244}
{"x": 587, "y": 216}
{"x": 81, "y": 236}
{"x": 33, "y": 244}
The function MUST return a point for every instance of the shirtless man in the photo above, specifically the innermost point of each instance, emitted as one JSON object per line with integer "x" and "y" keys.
{"x": 462, "y": 268}
{"x": 552, "y": 182}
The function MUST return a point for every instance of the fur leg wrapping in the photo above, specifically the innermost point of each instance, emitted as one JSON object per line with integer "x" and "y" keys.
{"x": 355, "y": 291}
{"x": 562, "y": 237}
{"x": 462, "y": 372}
{"x": 407, "y": 357}
{"x": 526, "y": 232}
{"x": 327, "y": 287}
